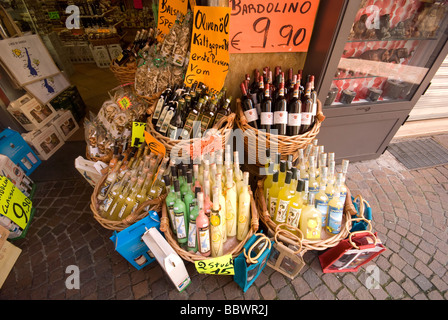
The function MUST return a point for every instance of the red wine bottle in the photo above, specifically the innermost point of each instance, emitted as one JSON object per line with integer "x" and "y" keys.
{"x": 307, "y": 109}
{"x": 281, "y": 110}
{"x": 294, "y": 115}
{"x": 249, "y": 110}
{"x": 267, "y": 115}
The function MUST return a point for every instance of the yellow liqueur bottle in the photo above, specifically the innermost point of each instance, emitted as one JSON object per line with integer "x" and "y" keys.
{"x": 284, "y": 196}
{"x": 335, "y": 213}
{"x": 244, "y": 209}
{"x": 311, "y": 220}
{"x": 116, "y": 189}
{"x": 119, "y": 200}
{"x": 343, "y": 191}
{"x": 295, "y": 207}
{"x": 282, "y": 174}
{"x": 273, "y": 195}
{"x": 130, "y": 200}
{"x": 231, "y": 204}
{"x": 215, "y": 226}
{"x": 322, "y": 203}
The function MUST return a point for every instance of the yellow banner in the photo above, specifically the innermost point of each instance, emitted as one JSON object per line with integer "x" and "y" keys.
{"x": 209, "y": 53}
{"x": 14, "y": 204}
{"x": 168, "y": 10}
{"x": 220, "y": 265}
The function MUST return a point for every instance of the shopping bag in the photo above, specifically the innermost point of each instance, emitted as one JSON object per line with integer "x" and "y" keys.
{"x": 287, "y": 257}
{"x": 352, "y": 253}
{"x": 249, "y": 264}
{"x": 363, "y": 211}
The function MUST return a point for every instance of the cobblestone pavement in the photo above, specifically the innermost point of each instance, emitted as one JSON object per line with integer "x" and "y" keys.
{"x": 409, "y": 212}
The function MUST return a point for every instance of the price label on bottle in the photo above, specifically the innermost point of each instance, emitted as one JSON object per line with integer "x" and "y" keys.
{"x": 14, "y": 204}
{"x": 219, "y": 265}
{"x": 138, "y": 133}
{"x": 271, "y": 26}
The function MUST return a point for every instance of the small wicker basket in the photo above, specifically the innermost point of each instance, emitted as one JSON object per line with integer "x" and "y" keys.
{"x": 192, "y": 256}
{"x": 287, "y": 145}
{"x": 124, "y": 74}
{"x": 323, "y": 244}
{"x": 137, "y": 215}
{"x": 224, "y": 126}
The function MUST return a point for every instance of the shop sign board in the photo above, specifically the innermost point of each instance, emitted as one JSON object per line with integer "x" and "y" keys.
{"x": 14, "y": 204}
{"x": 259, "y": 26}
{"x": 209, "y": 53}
{"x": 167, "y": 15}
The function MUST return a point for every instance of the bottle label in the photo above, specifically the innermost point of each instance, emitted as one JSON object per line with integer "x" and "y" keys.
{"x": 281, "y": 211}
{"x": 267, "y": 198}
{"x": 171, "y": 213}
{"x": 294, "y": 119}
{"x": 172, "y": 132}
{"x": 105, "y": 188}
{"x": 158, "y": 108}
{"x": 205, "y": 123}
{"x": 272, "y": 207}
{"x": 192, "y": 235}
{"x": 162, "y": 117}
{"x": 312, "y": 229}
{"x": 314, "y": 190}
{"x": 166, "y": 122}
{"x": 281, "y": 117}
{"x": 204, "y": 239}
{"x": 251, "y": 115}
{"x": 306, "y": 118}
{"x": 122, "y": 210}
{"x": 186, "y": 132}
{"x": 322, "y": 206}
{"x": 180, "y": 225}
{"x": 294, "y": 216}
{"x": 334, "y": 219}
{"x": 267, "y": 118}
{"x": 107, "y": 202}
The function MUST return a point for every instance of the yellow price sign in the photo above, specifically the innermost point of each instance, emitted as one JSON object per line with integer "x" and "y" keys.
{"x": 14, "y": 204}
{"x": 222, "y": 265}
{"x": 138, "y": 133}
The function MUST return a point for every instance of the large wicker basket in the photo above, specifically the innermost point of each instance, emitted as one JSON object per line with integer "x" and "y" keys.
{"x": 192, "y": 256}
{"x": 224, "y": 126}
{"x": 323, "y": 244}
{"x": 287, "y": 145}
{"x": 124, "y": 74}
{"x": 137, "y": 215}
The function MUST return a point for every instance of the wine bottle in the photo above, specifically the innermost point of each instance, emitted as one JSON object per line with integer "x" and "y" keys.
{"x": 281, "y": 110}
{"x": 223, "y": 111}
{"x": 177, "y": 123}
{"x": 248, "y": 107}
{"x": 191, "y": 119}
{"x": 267, "y": 116}
{"x": 307, "y": 109}
{"x": 294, "y": 113}
{"x": 159, "y": 106}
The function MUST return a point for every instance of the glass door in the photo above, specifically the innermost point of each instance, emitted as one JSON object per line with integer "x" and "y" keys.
{"x": 391, "y": 47}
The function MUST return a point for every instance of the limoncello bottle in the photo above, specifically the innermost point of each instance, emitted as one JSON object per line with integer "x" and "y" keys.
{"x": 335, "y": 213}
{"x": 215, "y": 226}
{"x": 322, "y": 203}
{"x": 231, "y": 204}
{"x": 244, "y": 209}
{"x": 203, "y": 227}
{"x": 273, "y": 195}
{"x": 284, "y": 196}
{"x": 311, "y": 220}
{"x": 295, "y": 207}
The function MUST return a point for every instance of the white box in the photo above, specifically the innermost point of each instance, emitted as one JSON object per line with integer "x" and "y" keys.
{"x": 114, "y": 50}
{"x": 101, "y": 56}
{"x": 65, "y": 124}
{"x": 45, "y": 142}
{"x": 168, "y": 259}
{"x": 17, "y": 176}
{"x": 30, "y": 113}
{"x": 88, "y": 170}
{"x": 9, "y": 254}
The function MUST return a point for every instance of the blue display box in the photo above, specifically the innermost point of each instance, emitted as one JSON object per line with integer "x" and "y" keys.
{"x": 130, "y": 245}
{"x": 15, "y": 148}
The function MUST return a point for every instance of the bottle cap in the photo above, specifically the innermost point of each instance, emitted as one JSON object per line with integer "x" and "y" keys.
{"x": 189, "y": 177}
{"x": 176, "y": 185}
{"x": 275, "y": 176}
{"x": 300, "y": 185}
{"x": 167, "y": 180}
{"x": 283, "y": 166}
{"x": 197, "y": 190}
{"x": 288, "y": 177}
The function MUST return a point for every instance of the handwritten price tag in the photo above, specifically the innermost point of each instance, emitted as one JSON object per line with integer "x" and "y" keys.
{"x": 219, "y": 265}
{"x": 13, "y": 203}
{"x": 271, "y": 26}
{"x": 168, "y": 10}
{"x": 154, "y": 144}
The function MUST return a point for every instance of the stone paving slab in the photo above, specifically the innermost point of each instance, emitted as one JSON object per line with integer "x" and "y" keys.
{"x": 410, "y": 212}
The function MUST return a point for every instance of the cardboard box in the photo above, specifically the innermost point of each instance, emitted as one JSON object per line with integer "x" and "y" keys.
{"x": 9, "y": 254}
{"x": 16, "y": 175}
{"x": 101, "y": 56}
{"x": 45, "y": 141}
{"x": 168, "y": 259}
{"x": 18, "y": 151}
{"x": 30, "y": 113}
{"x": 88, "y": 170}
{"x": 129, "y": 244}
{"x": 65, "y": 124}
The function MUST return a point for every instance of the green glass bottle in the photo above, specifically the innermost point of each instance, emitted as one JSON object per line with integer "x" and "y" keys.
{"x": 180, "y": 215}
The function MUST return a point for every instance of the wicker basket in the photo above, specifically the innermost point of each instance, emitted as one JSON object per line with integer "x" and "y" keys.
{"x": 124, "y": 74}
{"x": 192, "y": 256}
{"x": 137, "y": 215}
{"x": 224, "y": 126}
{"x": 322, "y": 244}
{"x": 287, "y": 145}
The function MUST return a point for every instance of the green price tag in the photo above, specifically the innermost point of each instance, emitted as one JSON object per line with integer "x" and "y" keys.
{"x": 54, "y": 15}
{"x": 14, "y": 204}
{"x": 220, "y": 265}
{"x": 138, "y": 133}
